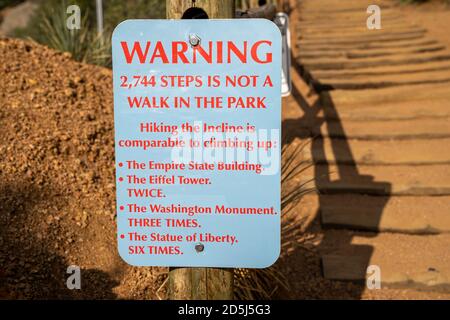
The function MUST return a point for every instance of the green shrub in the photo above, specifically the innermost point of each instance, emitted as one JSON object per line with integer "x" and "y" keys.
{"x": 84, "y": 44}
{"x": 115, "y": 11}
{"x": 48, "y": 26}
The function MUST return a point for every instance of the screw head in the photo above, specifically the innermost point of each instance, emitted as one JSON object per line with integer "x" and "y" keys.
{"x": 194, "y": 40}
{"x": 199, "y": 247}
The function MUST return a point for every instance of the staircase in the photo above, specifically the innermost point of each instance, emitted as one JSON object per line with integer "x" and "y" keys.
{"x": 381, "y": 151}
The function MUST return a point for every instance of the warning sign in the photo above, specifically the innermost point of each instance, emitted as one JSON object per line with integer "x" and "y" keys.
{"x": 197, "y": 113}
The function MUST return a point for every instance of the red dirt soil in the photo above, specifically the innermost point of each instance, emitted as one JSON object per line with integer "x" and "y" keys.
{"x": 57, "y": 192}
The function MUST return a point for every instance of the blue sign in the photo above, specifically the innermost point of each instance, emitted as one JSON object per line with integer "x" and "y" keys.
{"x": 197, "y": 112}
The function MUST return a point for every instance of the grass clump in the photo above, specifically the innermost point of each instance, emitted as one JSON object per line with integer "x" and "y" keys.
{"x": 256, "y": 284}
{"x": 48, "y": 26}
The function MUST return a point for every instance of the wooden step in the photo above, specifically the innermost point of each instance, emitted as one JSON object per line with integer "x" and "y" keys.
{"x": 340, "y": 5}
{"x": 338, "y": 11}
{"x": 400, "y": 54}
{"x": 362, "y": 40}
{"x": 361, "y": 54}
{"x": 378, "y": 45}
{"x": 344, "y": 15}
{"x": 404, "y": 214}
{"x": 312, "y": 33}
{"x": 404, "y": 110}
{"x": 369, "y": 53}
{"x": 384, "y": 152}
{"x": 413, "y": 93}
{"x": 387, "y": 70}
{"x": 410, "y": 214}
{"x": 405, "y": 261}
{"x": 350, "y": 28}
{"x": 369, "y": 37}
{"x": 427, "y": 180}
{"x": 405, "y": 60}
{"x": 345, "y": 22}
{"x": 331, "y": 18}
{"x": 382, "y": 130}
{"x": 381, "y": 81}
{"x": 394, "y": 22}
{"x": 399, "y": 214}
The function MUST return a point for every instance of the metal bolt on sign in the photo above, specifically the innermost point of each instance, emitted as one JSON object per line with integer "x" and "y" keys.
{"x": 194, "y": 40}
{"x": 199, "y": 247}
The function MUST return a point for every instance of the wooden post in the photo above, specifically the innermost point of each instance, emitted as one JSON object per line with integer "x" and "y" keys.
{"x": 253, "y": 4}
{"x": 201, "y": 283}
{"x": 216, "y": 9}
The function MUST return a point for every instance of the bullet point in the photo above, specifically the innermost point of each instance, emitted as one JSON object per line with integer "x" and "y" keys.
{"x": 120, "y": 164}
{"x": 121, "y": 207}
{"x": 122, "y": 236}
{"x": 120, "y": 179}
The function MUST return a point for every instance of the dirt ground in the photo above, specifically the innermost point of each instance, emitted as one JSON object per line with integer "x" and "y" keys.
{"x": 57, "y": 193}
